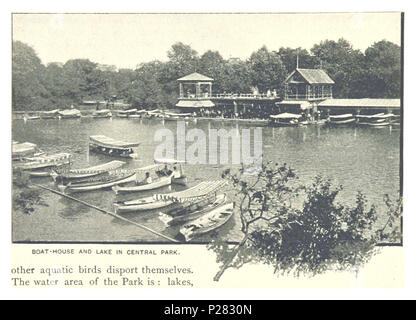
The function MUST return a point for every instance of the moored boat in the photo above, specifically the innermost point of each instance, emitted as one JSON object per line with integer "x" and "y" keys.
{"x": 285, "y": 120}
{"x": 171, "y": 116}
{"x": 138, "y": 114}
{"x": 112, "y": 147}
{"x": 97, "y": 184}
{"x": 156, "y": 184}
{"x": 27, "y": 117}
{"x": 84, "y": 173}
{"x": 42, "y": 166}
{"x": 126, "y": 113}
{"x": 179, "y": 176}
{"x": 105, "y": 113}
{"x": 210, "y": 221}
{"x": 155, "y": 113}
{"x": 143, "y": 204}
{"x": 192, "y": 211}
{"x": 177, "y": 199}
{"x": 376, "y": 121}
{"x": 25, "y": 149}
{"x": 69, "y": 114}
{"x": 341, "y": 119}
{"x": 395, "y": 121}
{"x": 52, "y": 114}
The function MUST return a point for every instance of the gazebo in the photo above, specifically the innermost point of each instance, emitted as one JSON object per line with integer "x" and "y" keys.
{"x": 195, "y": 90}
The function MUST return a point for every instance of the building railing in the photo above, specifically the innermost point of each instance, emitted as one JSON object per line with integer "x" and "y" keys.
{"x": 307, "y": 96}
{"x": 230, "y": 96}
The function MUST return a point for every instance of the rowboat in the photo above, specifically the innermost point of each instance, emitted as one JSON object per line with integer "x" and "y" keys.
{"x": 158, "y": 183}
{"x": 195, "y": 193}
{"x": 192, "y": 211}
{"x": 181, "y": 178}
{"x": 102, "y": 114}
{"x": 138, "y": 114}
{"x": 78, "y": 174}
{"x": 49, "y": 114}
{"x": 176, "y": 199}
{"x": 156, "y": 113}
{"x": 376, "y": 121}
{"x": 143, "y": 204}
{"x": 69, "y": 114}
{"x": 103, "y": 183}
{"x": 25, "y": 117}
{"x": 395, "y": 121}
{"x": 210, "y": 221}
{"x": 125, "y": 113}
{"x": 112, "y": 147}
{"x": 341, "y": 119}
{"x": 42, "y": 166}
{"x": 285, "y": 120}
{"x": 176, "y": 116}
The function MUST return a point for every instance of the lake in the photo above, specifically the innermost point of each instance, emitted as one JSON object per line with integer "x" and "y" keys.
{"x": 363, "y": 159}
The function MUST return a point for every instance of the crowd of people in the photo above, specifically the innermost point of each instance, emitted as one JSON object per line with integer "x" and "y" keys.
{"x": 248, "y": 112}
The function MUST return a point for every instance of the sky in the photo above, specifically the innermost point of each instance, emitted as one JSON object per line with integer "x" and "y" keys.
{"x": 126, "y": 40}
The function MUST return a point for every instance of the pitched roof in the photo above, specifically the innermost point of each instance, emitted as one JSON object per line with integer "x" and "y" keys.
{"x": 195, "y": 77}
{"x": 313, "y": 76}
{"x": 363, "y": 103}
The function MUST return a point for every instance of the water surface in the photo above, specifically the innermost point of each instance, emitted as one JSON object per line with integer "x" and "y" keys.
{"x": 363, "y": 159}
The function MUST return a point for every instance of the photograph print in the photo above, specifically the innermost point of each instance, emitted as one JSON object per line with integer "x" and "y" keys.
{"x": 271, "y": 138}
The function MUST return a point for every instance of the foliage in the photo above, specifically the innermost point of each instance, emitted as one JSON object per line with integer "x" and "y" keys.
{"x": 267, "y": 70}
{"x": 375, "y": 73}
{"x": 301, "y": 229}
{"x": 25, "y": 198}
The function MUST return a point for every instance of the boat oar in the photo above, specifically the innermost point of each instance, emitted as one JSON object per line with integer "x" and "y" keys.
{"x": 115, "y": 215}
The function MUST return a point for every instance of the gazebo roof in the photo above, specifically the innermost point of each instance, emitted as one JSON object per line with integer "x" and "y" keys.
{"x": 313, "y": 76}
{"x": 196, "y": 77}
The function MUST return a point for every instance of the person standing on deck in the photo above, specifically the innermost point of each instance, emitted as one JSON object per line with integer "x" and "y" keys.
{"x": 177, "y": 173}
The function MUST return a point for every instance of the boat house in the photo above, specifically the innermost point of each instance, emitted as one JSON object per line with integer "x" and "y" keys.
{"x": 195, "y": 92}
{"x": 365, "y": 106}
{"x": 304, "y": 89}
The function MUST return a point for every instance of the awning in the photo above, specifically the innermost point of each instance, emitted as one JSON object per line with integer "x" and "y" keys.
{"x": 111, "y": 143}
{"x": 195, "y": 104}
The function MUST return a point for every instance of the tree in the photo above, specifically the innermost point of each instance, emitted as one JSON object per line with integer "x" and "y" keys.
{"x": 83, "y": 80}
{"x": 145, "y": 90}
{"x": 267, "y": 70}
{"x": 212, "y": 65}
{"x": 344, "y": 65}
{"x": 236, "y": 76}
{"x": 183, "y": 60}
{"x": 300, "y": 229}
{"x": 290, "y": 56}
{"x": 383, "y": 64}
{"x": 28, "y": 92}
